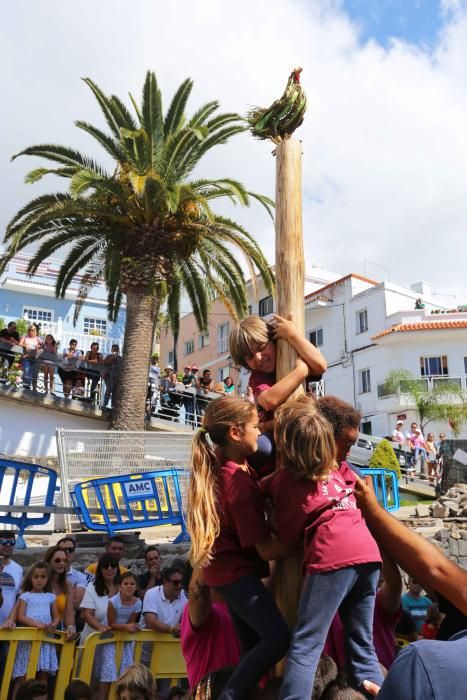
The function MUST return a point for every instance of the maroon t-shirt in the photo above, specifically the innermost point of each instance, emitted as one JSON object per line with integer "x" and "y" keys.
{"x": 325, "y": 514}
{"x": 242, "y": 526}
{"x": 259, "y": 382}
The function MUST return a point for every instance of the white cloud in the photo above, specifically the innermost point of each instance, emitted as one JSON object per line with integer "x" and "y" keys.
{"x": 385, "y": 137}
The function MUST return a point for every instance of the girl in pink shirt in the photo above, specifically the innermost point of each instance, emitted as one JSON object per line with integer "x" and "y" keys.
{"x": 231, "y": 539}
{"x": 314, "y": 501}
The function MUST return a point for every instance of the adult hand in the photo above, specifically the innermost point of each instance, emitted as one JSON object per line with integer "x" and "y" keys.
{"x": 9, "y": 625}
{"x": 103, "y": 628}
{"x": 176, "y": 630}
{"x": 283, "y": 328}
{"x": 365, "y": 495}
{"x": 132, "y": 627}
{"x": 371, "y": 688}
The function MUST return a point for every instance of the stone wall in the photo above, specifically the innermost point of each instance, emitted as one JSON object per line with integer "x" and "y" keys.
{"x": 444, "y": 523}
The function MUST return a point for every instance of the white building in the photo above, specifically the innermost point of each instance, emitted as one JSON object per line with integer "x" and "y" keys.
{"x": 366, "y": 329}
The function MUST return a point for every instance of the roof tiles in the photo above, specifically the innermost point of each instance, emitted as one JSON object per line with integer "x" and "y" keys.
{"x": 433, "y": 326}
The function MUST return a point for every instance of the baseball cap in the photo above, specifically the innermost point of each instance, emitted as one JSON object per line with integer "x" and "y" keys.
{"x": 194, "y": 367}
{"x": 400, "y": 422}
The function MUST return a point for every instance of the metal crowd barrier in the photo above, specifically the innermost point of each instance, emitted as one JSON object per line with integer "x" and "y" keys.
{"x": 132, "y": 501}
{"x": 385, "y": 485}
{"x": 19, "y": 484}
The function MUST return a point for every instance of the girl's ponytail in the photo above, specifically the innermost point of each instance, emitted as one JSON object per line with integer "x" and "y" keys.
{"x": 202, "y": 511}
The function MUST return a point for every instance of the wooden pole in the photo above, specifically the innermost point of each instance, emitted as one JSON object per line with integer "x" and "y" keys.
{"x": 290, "y": 266}
{"x": 287, "y": 578}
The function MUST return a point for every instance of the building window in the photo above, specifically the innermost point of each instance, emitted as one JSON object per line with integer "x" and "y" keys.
{"x": 434, "y": 366}
{"x": 170, "y": 358}
{"x": 94, "y": 326}
{"x": 31, "y": 313}
{"x": 189, "y": 346}
{"x": 317, "y": 337}
{"x": 203, "y": 340}
{"x": 465, "y": 365}
{"x": 362, "y": 321}
{"x": 223, "y": 337}
{"x": 364, "y": 381}
{"x": 266, "y": 306}
{"x": 223, "y": 373}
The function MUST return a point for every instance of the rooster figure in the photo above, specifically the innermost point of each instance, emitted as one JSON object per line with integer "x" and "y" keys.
{"x": 279, "y": 121}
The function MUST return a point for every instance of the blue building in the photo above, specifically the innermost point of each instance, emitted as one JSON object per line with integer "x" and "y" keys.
{"x": 33, "y": 299}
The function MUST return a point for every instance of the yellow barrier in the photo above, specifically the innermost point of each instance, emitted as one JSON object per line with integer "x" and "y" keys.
{"x": 65, "y": 650}
{"x": 166, "y": 660}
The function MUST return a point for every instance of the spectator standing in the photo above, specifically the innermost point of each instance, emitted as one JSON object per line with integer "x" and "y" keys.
{"x": 93, "y": 359}
{"x": 416, "y": 604}
{"x": 94, "y": 607}
{"x": 162, "y": 611}
{"x": 229, "y": 386}
{"x": 152, "y": 577}
{"x": 205, "y": 384}
{"x": 31, "y": 344}
{"x": 48, "y": 362}
{"x": 73, "y": 575}
{"x": 68, "y": 370}
{"x": 163, "y": 605}
{"x": 63, "y": 590}
{"x": 110, "y": 373}
{"x": 11, "y": 576}
{"x": 397, "y": 434}
{"x": 153, "y": 383}
{"x": 114, "y": 547}
{"x": 189, "y": 382}
{"x": 431, "y": 457}
{"x": 9, "y": 337}
{"x": 123, "y": 612}
{"x": 430, "y": 627}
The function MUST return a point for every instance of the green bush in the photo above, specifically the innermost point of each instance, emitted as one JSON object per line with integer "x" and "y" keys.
{"x": 22, "y": 326}
{"x": 384, "y": 457}
{"x": 2, "y": 323}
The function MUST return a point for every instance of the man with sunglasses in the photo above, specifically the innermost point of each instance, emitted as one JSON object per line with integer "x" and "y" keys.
{"x": 162, "y": 612}
{"x": 73, "y": 576}
{"x": 11, "y": 576}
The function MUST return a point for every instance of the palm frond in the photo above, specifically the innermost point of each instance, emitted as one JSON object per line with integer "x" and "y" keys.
{"x": 174, "y": 118}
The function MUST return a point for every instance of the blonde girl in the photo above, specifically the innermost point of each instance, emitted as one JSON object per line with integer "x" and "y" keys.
{"x": 231, "y": 539}
{"x": 431, "y": 457}
{"x": 137, "y": 683}
{"x": 36, "y": 607}
{"x": 48, "y": 368}
{"x": 315, "y": 502}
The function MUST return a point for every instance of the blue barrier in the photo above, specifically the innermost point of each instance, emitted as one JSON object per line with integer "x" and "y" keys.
{"x": 381, "y": 477}
{"x": 18, "y": 482}
{"x": 132, "y": 501}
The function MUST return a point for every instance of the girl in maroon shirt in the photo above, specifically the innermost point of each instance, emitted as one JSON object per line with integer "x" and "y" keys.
{"x": 314, "y": 501}
{"x": 231, "y": 539}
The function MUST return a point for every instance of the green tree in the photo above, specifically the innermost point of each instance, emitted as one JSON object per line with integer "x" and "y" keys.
{"x": 145, "y": 227}
{"x": 443, "y": 402}
{"x": 384, "y": 457}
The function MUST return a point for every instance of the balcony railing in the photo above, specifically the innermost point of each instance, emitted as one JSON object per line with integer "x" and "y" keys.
{"x": 430, "y": 383}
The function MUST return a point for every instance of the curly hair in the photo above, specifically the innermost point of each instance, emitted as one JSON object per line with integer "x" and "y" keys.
{"x": 340, "y": 414}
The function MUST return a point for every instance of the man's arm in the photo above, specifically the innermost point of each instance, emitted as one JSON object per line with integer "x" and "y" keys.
{"x": 413, "y": 553}
{"x": 391, "y": 590}
{"x": 199, "y": 599}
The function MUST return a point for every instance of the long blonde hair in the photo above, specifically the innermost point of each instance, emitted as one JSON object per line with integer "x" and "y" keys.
{"x": 304, "y": 440}
{"x": 203, "y": 516}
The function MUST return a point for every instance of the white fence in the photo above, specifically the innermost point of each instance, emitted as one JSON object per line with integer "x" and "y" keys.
{"x": 92, "y": 454}
{"x": 63, "y": 337}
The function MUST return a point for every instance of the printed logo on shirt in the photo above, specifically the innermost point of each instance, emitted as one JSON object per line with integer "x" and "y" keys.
{"x": 340, "y": 497}
{"x": 7, "y": 580}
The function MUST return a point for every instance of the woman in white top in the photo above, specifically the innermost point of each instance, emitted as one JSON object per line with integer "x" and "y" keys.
{"x": 94, "y": 608}
{"x": 30, "y": 343}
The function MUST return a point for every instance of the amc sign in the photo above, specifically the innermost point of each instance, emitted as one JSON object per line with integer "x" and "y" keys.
{"x": 139, "y": 490}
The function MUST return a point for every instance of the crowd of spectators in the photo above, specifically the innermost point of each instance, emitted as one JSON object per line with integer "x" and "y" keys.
{"x": 421, "y": 451}
{"x": 93, "y": 377}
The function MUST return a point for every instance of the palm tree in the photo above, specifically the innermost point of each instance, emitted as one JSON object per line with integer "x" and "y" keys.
{"x": 145, "y": 229}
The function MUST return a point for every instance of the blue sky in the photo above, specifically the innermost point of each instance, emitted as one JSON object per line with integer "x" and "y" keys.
{"x": 413, "y": 21}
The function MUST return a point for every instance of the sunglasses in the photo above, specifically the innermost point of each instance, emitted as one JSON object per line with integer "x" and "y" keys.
{"x": 58, "y": 561}
{"x": 7, "y": 542}
{"x": 109, "y": 566}
{"x": 68, "y": 550}
{"x": 176, "y": 581}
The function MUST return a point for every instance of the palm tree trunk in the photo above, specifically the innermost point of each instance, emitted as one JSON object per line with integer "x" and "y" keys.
{"x": 142, "y": 308}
